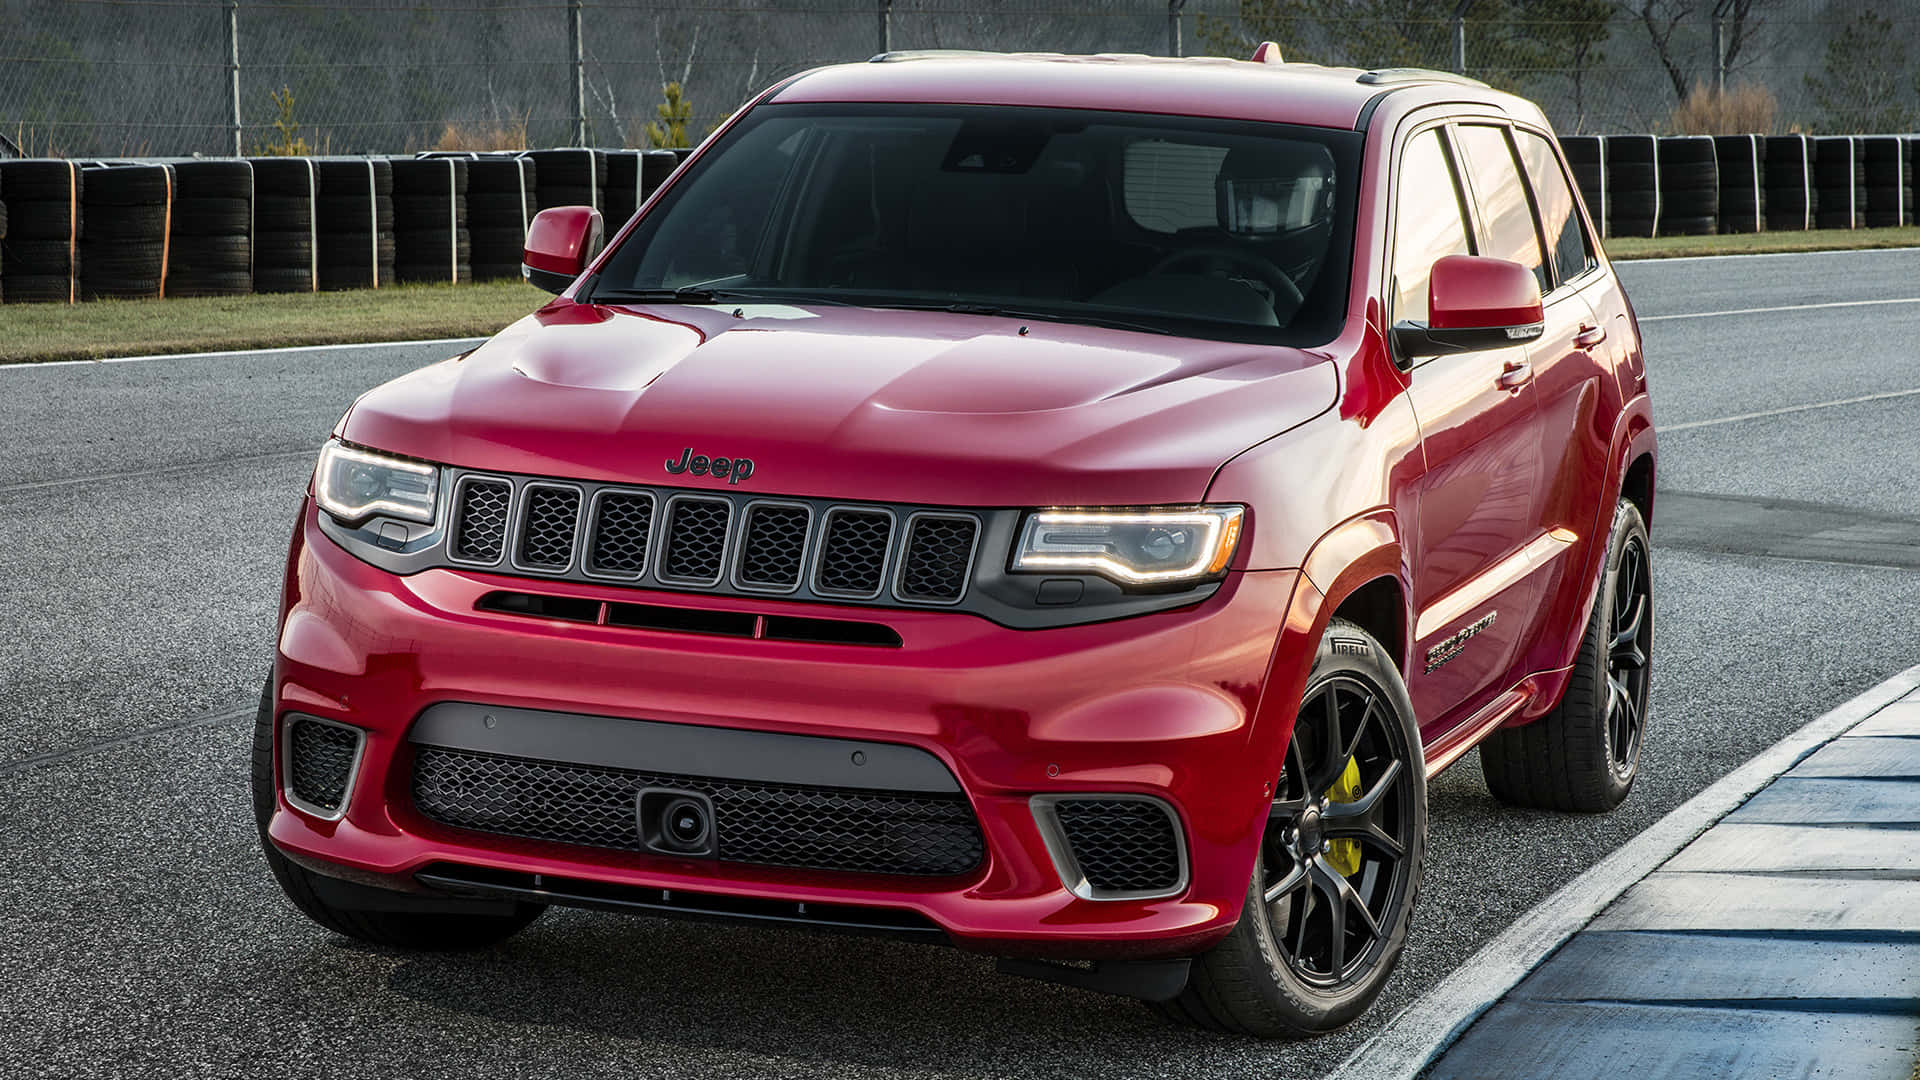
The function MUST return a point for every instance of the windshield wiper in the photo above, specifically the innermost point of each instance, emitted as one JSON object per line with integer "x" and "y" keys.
{"x": 694, "y": 294}
{"x": 964, "y": 308}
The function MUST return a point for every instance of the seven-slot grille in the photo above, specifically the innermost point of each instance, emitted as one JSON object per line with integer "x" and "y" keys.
{"x": 717, "y": 541}
{"x": 813, "y": 828}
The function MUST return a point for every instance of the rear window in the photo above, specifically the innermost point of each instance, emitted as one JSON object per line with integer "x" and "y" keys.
{"x": 1169, "y": 185}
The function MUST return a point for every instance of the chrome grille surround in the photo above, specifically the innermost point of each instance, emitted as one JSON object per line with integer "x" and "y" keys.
{"x": 767, "y": 541}
{"x": 544, "y": 508}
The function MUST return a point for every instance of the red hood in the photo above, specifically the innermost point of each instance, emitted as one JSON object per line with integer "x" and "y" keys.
{"x": 832, "y": 402}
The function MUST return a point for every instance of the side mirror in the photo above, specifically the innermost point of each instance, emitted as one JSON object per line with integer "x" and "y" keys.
{"x": 559, "y": 244}
{"x": 1474, "y": 302}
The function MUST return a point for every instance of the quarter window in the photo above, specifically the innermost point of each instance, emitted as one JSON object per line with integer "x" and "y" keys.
{"x": 1506, "y": 219}
{"x": 1551, "y": 192}
{"x": 1428, "y": 222}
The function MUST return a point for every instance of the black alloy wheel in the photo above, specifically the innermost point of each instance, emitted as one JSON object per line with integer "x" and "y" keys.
{"x": 1332, "y": 890}
{"x": 1627, "y": 654}
{"x": 1335, "y": 854}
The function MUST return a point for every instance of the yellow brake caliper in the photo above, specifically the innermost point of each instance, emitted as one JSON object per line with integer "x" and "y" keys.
{"x": 1344, "y": 855}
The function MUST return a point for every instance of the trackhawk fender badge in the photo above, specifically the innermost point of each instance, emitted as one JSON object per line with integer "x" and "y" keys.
{"x": 1452, "y": 646}
{"x": 732, "y": 470}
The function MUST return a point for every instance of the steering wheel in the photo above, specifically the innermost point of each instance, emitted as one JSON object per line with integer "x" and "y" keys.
{"x": 1275, "y": 279}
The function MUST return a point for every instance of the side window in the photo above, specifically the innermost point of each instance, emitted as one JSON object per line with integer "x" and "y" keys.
{"x": 1505, "y": 217}
{"x": 1571, "y": 254}
{"x": 1427, "y": 222}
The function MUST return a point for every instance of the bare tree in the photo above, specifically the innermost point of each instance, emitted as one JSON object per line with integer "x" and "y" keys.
{"x": 1660, "y": 18}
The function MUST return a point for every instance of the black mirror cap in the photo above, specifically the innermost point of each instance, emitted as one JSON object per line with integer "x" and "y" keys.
{"x": 1413, "y": 340}
{"x": 546, "y": 279}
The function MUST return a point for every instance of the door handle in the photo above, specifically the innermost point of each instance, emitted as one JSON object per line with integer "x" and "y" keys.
{"x": 1590, "y": 335}
{"x": 1515, "y": 375}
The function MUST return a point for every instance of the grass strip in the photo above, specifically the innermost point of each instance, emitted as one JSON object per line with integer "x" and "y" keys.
{"x": 1765, "y": 243}
{"x": 102, "y": 328}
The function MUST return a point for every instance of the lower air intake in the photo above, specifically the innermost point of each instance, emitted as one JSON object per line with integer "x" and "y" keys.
{"x": 319, "y": 762}
{"x": 1122, "y": 847}
{"x": 811, "y": 828}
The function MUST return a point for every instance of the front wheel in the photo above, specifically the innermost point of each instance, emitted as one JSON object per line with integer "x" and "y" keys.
{"x": 1332, "y": 894}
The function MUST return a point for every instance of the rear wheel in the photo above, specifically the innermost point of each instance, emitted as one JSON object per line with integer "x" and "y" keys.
{"x": 1333, "y": 890}
{"x": 1585, "y": 754}
{"x": 377, "y": 916}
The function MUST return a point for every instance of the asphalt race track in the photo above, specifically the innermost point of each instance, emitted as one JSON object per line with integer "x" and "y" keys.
{"x": 144, "y": 509}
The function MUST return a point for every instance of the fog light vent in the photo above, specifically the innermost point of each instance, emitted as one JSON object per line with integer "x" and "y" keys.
{"x": 1114, "y": 847}
{"x": 319, "y": 762}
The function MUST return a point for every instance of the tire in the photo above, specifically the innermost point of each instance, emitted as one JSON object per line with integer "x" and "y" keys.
{"x": 128, "y": 185}
{"x": 552, "y": 196}
{"x": 38, "y": 256}
{"x": 120, "y": 224}
{"x": 37, "y": 220}
{"x": 1631, "y": 176}
{"x": 348, "y": 213}
{"x": 212, "y": 215}
{"x": 1688, "y": 204}
{"x": 38, "y": 288}
{"x": 496, "y": 271}
{"x": 428, "y": 176}
{"x": 282, "y": 251}
{"x": 1696, "y": 225}
{"x": 1585, "y": 753}
{"x": 224, "y": 179}
{"x": 491, "y": 175}
{"x": 430, "y": 929}
{"x": 282, "y": 213}
{"x": 1258, "y": 982}
{"x": 210, "y": 283}
{"x": 50, "y": 181}
{"x": 273, "y": 280}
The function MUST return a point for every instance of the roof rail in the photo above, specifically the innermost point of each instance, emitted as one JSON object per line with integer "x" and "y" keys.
{"x": 898, "y": 55}
{"x": 1396, "y": 76}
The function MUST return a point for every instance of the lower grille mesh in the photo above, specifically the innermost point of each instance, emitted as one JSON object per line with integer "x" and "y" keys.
{"x": 1122, "y": 845}
{"x": 810, "y": 828}
{"x": 319, "y": 760}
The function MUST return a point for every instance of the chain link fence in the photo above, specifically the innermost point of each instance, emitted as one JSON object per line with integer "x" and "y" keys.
{"x": 100, "y": 78}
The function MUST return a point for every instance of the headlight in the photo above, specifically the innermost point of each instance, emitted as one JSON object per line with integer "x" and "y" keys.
{"x": 353, "y": 484}
{"x": 1134, "y": 547}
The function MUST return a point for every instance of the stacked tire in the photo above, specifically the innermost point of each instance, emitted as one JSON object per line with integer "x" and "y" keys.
{"x": 1889, "y": 171}
{"x": 1743, "y": 182}
{"x": 355, "y": 208}
{"x": 285, "y": 226}
{"x": 430, "y": 236}
{"x": 1792, "y": 198}
{"x": 570, "y": 177}
{"x": 502, "y": 197}
{"x": 124, "y": 253}
{"x": 40, "y": 252}
{"x": 1689, "y": 186}
{"x": 655, "y": 167}
{"x": 1633, "y": 185}
{"x": 210, "y": 252}
{"x": 1839, "y": 171}
{"x": 622, "y": 194}
{"x": 1587, "y": 156}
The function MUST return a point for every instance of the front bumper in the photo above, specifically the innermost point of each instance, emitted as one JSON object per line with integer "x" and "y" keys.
{"x": 1165, "y": 705}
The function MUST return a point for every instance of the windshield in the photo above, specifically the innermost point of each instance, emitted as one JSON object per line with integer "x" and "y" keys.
{"x": 1205, "y": 228}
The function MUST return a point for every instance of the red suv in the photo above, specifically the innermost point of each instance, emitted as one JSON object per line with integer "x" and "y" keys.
{"x": 1063, "y": 507}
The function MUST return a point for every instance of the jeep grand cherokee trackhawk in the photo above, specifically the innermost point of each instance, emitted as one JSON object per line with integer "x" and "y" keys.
{"x": 1064, "y": 507}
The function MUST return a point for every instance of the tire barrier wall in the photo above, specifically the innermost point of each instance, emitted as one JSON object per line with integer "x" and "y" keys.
{"x": 502, "y": 197}
{"x": 210, "y": 247}
{"x": 1742, "y": 162}
{"x": 1587, "y": 156}
{"x": 622, "y": 191}
{"x": 431, "y": 241}
{"x": 1633, "y": 185}
{"x": 1889, "y": 172}
{"x": 1792, "y": 197}
{"x": 1839, "y": 171}
{"x": 1689, "y": 179}
{"x": 40, "y": 255}
{"x": 355, "y": 208}
{"x": 571, "y": 178}
{"x": 286, "y": 225}
{"x": 123, "y": 254}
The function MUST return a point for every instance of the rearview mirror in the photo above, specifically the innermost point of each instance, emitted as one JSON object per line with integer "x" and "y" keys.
{"x": 560, "y": 242}
{"x": 1474, "y": 302}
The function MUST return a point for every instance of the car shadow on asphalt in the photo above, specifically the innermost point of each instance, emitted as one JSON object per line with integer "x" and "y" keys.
{"x": 849, "y": 1000}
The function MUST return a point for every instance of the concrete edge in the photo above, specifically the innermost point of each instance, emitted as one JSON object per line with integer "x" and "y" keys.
{"x": 1415, "y": 1037}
